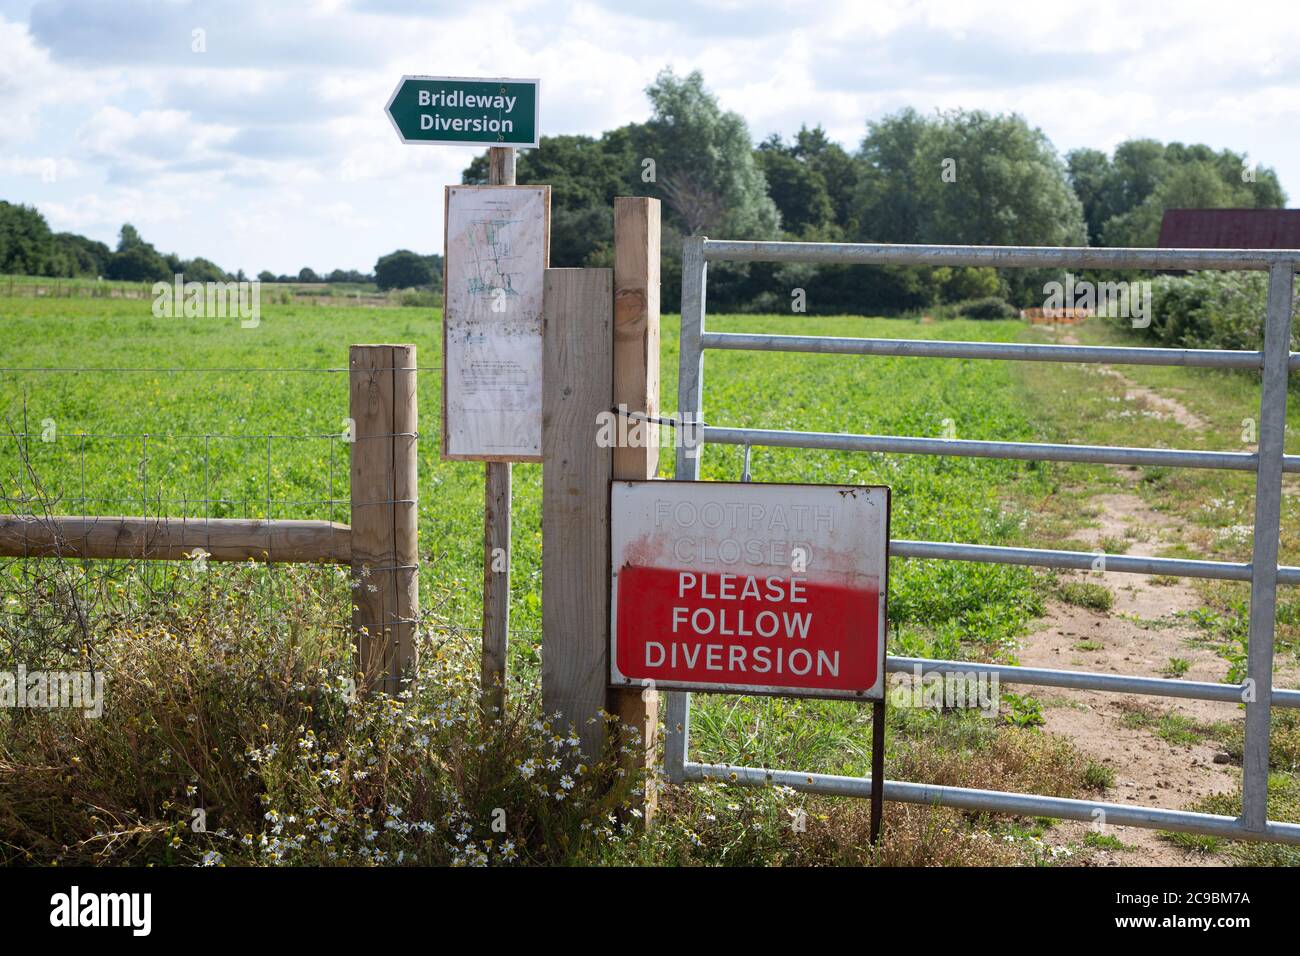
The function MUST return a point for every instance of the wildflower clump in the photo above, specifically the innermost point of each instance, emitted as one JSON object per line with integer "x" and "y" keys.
{"x": 232, "y": 738}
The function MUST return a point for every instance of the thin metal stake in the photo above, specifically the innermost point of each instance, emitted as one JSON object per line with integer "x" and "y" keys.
{"x": 877, "y": 767}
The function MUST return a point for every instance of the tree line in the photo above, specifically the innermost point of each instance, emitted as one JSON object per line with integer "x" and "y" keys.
{"x": 29, "y": 247}
{"x": 964, "y": 177}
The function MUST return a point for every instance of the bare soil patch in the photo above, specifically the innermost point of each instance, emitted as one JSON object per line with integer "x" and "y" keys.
{"x": 1162, "y": 751}
{"x": 1159, "y": 749}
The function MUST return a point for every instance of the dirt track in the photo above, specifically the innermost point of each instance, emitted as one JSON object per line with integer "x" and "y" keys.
{"x": 1141, "y": 634}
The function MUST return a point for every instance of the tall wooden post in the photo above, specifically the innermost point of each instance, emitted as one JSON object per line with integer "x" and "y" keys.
{"x": 577, "y": 383}
{"x": 636, "y": 387}
{"x": 385, "y": 557}
{"x": 496, "y": 528}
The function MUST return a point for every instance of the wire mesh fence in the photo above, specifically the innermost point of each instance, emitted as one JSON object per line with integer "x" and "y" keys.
{"x": 183, "y": 476}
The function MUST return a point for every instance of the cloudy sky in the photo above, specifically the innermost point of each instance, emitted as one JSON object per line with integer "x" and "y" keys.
{"x": 270, "y": 150}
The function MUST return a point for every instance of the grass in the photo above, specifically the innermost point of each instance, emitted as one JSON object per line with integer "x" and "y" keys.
{"x": 1212, "y": 502}
{"x": 1284, "y": 741}
{"x": 1283, "y": 804}
{"x": 1172, "y": 727}
{"x": 938, "y": 609}
{"x": 247, "y": 442}
{"x": 1095, "y": 597}
{"x": 1104, "y": 841}
{"x": 1099, "y": 777}
{"x": 154, "y": 442}
{"x": 1083, "y": 404}
{"x": 178, "y": 470}
{"x": 1113, "y": 545}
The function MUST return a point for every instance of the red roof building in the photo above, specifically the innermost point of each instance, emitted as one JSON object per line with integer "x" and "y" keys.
{"x": 1230, "y": 229}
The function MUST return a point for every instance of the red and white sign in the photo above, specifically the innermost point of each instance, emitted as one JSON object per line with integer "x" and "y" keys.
{"x": 749, "y": 588}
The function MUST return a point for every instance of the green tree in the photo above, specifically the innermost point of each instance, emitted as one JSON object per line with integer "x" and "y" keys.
{"x": 1125, "y": 198}
{"x": 959, "y": 177}
{"x": 839, "y": 171}
{"x": 434, "y": 263}
{"x": 704, "y": 162}
{"x": 347, "y": 275}
{"x": 1196, "y": 186}
{"x": 128, "y": 237}
{"x": 1140, "y": 165}
{"x": 889, "y": 193}
{"x": 965, "y": 177}
{"x": 581, "y": 170}
{"x": 1092, "y": 178}
{"x": 199, "y": 269}
{"x": 84, "y": 257}
{"x": 138, "y": 263}
{"x": 1007, "y": 185}
{"x": 403, "y": 269}
{"x": 585, "y": 175}
{"x": 27, "y": 246}
{"x": 798, "y": 189}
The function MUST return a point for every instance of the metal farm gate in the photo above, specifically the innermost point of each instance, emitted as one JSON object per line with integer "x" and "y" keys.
{"x": 1269, "y": 463}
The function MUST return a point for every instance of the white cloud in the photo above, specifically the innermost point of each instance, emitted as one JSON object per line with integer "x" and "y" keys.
{"x": 153, "y": 137}
{"x": 271, "y": 150}
{"x": 26, "y": 82}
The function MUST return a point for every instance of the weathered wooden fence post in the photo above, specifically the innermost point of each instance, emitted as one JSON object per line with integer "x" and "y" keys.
{"x": 385, "y": 559}
{"x": 577, "y": 386}
{"x": 636, "y": 387}
{"x": 496, "y": 529}
{"x": 602, "y": 351}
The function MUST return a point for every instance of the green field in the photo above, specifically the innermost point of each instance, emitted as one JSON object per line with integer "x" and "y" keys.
{"x": 249, "y": 425}
{"x": 213, "y": 419}
{"x": 196, "y": 442}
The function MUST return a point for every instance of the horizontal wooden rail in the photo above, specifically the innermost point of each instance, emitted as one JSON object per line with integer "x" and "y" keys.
{"x": 176, "y": 539}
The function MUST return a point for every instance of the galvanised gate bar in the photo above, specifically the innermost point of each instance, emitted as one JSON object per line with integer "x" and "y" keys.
{"x": 1269, "y": 463}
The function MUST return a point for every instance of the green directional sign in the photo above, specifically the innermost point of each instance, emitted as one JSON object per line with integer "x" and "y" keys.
{"x": 465, "y": 111}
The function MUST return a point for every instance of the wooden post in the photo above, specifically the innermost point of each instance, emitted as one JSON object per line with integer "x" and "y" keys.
{"x": 496, "y": 585}
{"x": 636, "y": 386}
{"x": 496, "y": 529}
{"x": 577, "y": 384}
{"x": 282, "y": 541}
{"x": 385, "y": 558}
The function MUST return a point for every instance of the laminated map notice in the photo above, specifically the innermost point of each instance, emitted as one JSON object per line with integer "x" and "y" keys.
{"x": 497, "y": 240}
